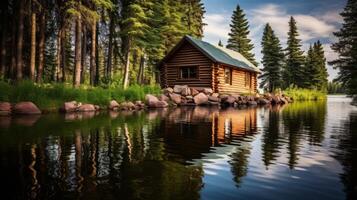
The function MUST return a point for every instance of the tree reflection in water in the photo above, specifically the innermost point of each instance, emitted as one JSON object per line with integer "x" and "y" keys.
{"x": 157, "y": 154}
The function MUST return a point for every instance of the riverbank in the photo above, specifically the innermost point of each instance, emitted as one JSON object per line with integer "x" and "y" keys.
{"x": 44, "y": 98}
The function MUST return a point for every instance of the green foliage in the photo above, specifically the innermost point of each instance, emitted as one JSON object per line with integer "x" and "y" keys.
{"x": 273, "y": 60}
{"x": 294, "y": 72}
{"x": 315, "y": 66}
{"x": 301, "y": 94}
{"x": 238, "y": 37}
{"x": 335, "y": 88}
{"x": 346, "y": 47}
{"x": 54, "y": 95}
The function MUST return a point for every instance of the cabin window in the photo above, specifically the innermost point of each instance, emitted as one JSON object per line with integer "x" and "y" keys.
{"x": 228, "y": 75}
{"x": 248, "y": 79}
{"x": 188, "y": 72}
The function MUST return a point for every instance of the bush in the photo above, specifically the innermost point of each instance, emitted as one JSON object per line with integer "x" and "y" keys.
{"x": 54, "y": 95}
{"x": 299, "y": 94}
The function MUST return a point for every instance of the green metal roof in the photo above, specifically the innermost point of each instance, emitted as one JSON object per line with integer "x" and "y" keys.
{"x": 222, "y": 55}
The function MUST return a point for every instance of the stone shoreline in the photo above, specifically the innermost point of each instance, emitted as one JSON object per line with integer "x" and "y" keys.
{"x": 180, "y": 95}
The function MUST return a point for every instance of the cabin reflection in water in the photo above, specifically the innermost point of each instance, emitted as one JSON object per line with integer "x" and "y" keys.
{"x": 191, "y": 132}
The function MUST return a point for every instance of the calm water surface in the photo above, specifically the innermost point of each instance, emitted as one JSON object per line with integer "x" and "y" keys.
{"x": 300, "y": 151}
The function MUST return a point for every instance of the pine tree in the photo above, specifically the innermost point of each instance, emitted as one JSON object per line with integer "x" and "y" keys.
{"x": 220, "y": 43}
{"x": 193, "y": 17}
{"x": 273, "y": 60}
{"x": 315, "y": 68}
{"x": 134, "y": 27}
{"x": 294, "y": 69}
{"x": 311, "y": 69}
{"x": 238, "y": 36}
{"x": 346, "y": 47}
{"x": 322, "y": 74}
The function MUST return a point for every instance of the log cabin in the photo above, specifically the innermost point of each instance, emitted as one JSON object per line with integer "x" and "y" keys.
{"x": 199, "y": 64}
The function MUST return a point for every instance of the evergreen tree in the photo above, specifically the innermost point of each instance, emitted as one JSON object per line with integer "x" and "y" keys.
{"x": 238, "y": 37}
{"x": 322, "y": 74}
{"x": 194, "y": 11}
{"x": 346, "y": 47}
{"x": 294, "y": 69}
{"x": 273, "y": 60}
{"x": 315, "y": 67}
{"x": 220, "y": 43}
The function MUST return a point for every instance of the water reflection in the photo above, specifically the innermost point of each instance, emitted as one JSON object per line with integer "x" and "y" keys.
{"x": 182, "y": 153}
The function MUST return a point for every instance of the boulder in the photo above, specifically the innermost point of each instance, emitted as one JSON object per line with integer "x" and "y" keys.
{"x": 26, "y": 108}
{"x": 161, "y": 104}
{"x": 230, "y": 100}
{"x": 69, "y": 107}
{"x": 213, "y": 99}
{"x": 178, "y": 88}
{"x": 213, "y": 103}
{"x": 150, "y": 98}
{"x": 283, "y": 100}
{"x": 194, "y": 92}
{"x": 189, "y": 97}
{"x": 97, "y": 107}
{"x": 154, "y": 102}
{"x": 288, "y": 99}
{"x": 127, "y": 106}
{"x": 223, "y": 97}
{"x": 263, "y": 101}
{"x": 164, "y": 97}
{"x": 175, "y": 98}
{"x": 186, "y": 91}
{"x": 215, "y": 95}
{"x": 207, "y": 91}
{"x": 5, "y": 108}
{"x": 86, "y": 108}
{"x": 275, "y": 100}
{"x": 257, "y": 96}
{"x": 200, "y": 99}
{"x": 252, "y": 103}
{"x": 113, "y": 105}
{"x": 168, "y": 90}
{"x": 139, "y": 104}
{"x": 268, "y": 95}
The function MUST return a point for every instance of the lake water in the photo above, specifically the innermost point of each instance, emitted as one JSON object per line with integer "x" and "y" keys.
{"x": 305, "y": 150}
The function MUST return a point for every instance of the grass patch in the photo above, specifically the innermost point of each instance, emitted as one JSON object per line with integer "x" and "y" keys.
{"x": 48, "y": 96}
{"x": 299, "y": 94}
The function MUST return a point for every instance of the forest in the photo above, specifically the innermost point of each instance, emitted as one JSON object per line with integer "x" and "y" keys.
{"x": 118, "y": 43}
{"x": 92, "y": 41}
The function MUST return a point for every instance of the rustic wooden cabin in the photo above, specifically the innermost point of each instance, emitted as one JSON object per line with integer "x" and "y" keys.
{"x": 199, "y": 64}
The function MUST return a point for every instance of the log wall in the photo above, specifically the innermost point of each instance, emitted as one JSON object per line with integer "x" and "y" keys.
{"x": 187, "y": 55}
{"x": 238, "y": 82}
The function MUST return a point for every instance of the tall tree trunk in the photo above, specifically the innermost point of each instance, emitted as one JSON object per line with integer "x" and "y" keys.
{"x": 78, "y": 56}
{"x": 63, "y": 55}
{"x": 3, "y": 54}
{"x": 33, "y": 46}
{"x": 41, "y": 48}
{"x": 20, "y": 37}
{"x": 92, "y": 54}
{"x": 127, "y": 65}
{"x": 97, "y": 75}
{"x": 12, "y": 69}
{"x": 110, "y": 47}
{"x": 59, "y": 51}
{"x": 84, "y": 53}
{"x": 141, "y": 69}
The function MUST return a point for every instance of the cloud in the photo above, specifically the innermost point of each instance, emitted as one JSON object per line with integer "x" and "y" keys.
{"x": 311, "y": 28}
{"x": 217, "y": 27}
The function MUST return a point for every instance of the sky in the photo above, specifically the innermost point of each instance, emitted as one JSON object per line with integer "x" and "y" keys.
{"x": 316, "y": 20}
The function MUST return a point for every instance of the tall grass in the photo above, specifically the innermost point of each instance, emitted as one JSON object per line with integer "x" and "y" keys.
{"x": 48, "y": 96}
{"x": 299, "y": 94}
